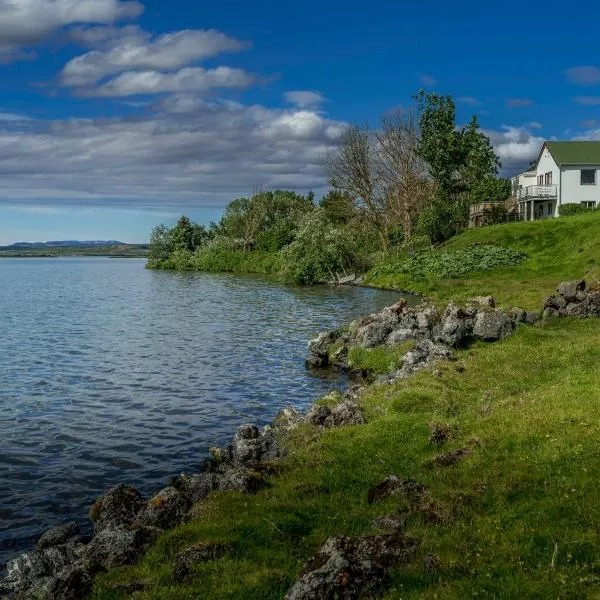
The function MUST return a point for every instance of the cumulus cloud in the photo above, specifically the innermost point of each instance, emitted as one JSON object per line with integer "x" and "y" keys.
{"x": 27, "y": 22}
{"x": 304, "y": 98}
{"x": 518, "y": 102}
{"x": 584, "y": 75}
{"x": 133, "y": 49}
{"x": 183, "y": 154}
{"x": 516, "y": 147}
{"x": 468, "y": 100}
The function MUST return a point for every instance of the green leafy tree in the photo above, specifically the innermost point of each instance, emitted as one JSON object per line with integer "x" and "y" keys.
{"x": 161, "y": 243}
{"x": 338, "y": 207}
{"x": 183, "y": 235}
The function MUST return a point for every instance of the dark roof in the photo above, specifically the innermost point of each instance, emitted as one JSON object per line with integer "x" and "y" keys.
{"x": 574, "y": 153}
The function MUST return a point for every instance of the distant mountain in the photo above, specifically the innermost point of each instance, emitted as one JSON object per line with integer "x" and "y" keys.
{"x": 66, "y": 243}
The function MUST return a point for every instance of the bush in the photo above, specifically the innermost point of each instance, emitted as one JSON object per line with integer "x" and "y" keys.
{"x": 568, "y": 210}
{"x": 496, "y": 214}
{"x": 454, "y": 263}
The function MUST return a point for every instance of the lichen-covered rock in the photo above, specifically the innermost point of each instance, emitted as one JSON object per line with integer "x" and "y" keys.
{"x": 194, "y": 555}
{"x": 374, "y": 334}
{"x": 450, "y": 458}
{"x": 532, "y": 317}
{"x": 167, "y": 509}
{"x": 287, "y": 418}
{"x": 198, "y": 486}
{"x": 395, "y": 486}
{"x": 427, "y": 317}
{"x": 551, "y": 313}
{"x": 589, "y": 307}
{"x": 74, "y": 582}
{"x": 117, "y": 547}
{"x": 317, "y": 415}
{"x": 240, "y": 480}
{"x": 518, "y": 315}
{"x": 252, "y": 445}
{"x": 557, "y": 303}
{"x": 424, "y": 351}
{"x": 399, "y": 336}
{"x": 493, "y": 325}
{"x": 348, "y": 569}
{"x": 347, "y": 412}
{"x": 456, "y": 327}
{"x": 119, "y": 507}
{"x": 316, "y": 362}
{"x": 485, "y": 301}
{"x": 569, "y": 290}
{"x": 59, "y": 534}
{"x": 320, "y": 345}
{"x": 440, "y": 433}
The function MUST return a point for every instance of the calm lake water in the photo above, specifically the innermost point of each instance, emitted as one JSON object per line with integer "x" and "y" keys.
{"x": 111, "y": 373}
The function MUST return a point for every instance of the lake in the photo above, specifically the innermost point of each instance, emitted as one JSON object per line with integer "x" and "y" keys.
{"x": 111, "y": 373}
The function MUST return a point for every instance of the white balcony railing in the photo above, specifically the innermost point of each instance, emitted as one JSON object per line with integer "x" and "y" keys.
{"x": 537, "y": 192}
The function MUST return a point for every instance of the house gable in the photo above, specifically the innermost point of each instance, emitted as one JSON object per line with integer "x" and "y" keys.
{"x": 573, "y": 153}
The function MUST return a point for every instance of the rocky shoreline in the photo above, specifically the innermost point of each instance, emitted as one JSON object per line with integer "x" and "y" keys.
{"x": 64, "y": 562}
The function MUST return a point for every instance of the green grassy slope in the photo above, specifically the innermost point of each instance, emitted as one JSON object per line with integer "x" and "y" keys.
{"x": 526, "y": 407}
{"x": 558, "y": 249}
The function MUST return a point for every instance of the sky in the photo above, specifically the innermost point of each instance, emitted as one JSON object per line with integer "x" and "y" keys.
{"x": 116, "y": 115}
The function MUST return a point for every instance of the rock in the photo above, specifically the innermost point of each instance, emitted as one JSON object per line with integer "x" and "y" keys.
{"x": 240, "y": 480}
{"x": 59, "y": 534}
{"x": 252, "y": 445}
{"x": 590, "y": 307}
{"x": 74, "y": 582}
{"x": 427, "y": 317}
{"x": 373, "y": 335}
{"x": 556, "y": 302}
{"x": 430, "y": 562}
{"x": 451, "y": 458}
{"x": 316, "y": 362}
{"x": 551, "y": 313}
{"x": 457, "y": 326}
{"x": 532, "y": 317}
{"x": 119, "y": 507}
{"x": 320, "y": 345}
{"x": 317, "y": 414}
{"x": 349, "y": 569}
{"x": 424, "y": 351}
{"x": 287, "y": 418}
{"x": 492, "y": 325}
{"x": 440, "y": 433}
{"x": 518, "y": 315}
{"x": 167, "y": 509}
{"x": 485, "y": 301}
{"x": 194, "y": 555}
{"x": 347, "y": 412}
{"x": 390, "y": 522}
{"x": 399, "y": 336}
{"x": 118, "y": 547}
{"x": 394, "y": 486}
{"x": 569, "y": 289}
{"x": 199, "y": 486}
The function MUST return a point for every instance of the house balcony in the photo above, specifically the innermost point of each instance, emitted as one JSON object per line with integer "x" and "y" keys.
{"x": 537, "y": 192}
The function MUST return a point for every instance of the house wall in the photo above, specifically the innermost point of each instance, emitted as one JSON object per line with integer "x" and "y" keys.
{"x": 545, "y": 165}
{"x": 572, "y": 190}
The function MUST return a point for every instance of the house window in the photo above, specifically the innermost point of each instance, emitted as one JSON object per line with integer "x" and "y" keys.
{"x": 588, "y": 176}
{"x": 540, "y": 180}
{"x": 549, "y": 209}
{"x": 589, "y": 204}
{"x": 548, "y": 178}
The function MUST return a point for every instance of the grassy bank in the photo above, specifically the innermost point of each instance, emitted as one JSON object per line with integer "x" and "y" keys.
{"x": 557, "y": 249}
{"x": 527, "y": 409}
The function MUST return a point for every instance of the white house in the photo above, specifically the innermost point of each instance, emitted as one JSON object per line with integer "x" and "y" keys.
{"x": 565, "y": 173}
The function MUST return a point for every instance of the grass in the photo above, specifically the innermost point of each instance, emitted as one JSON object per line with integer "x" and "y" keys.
{"x": 528, "y": 409}
{"x": 378, "y": 361}
{"x": 558, "y": 249}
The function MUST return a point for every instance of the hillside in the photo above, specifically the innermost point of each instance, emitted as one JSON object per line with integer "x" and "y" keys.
{"x": 116, "y": 250}
{"x": 557, "y": 249}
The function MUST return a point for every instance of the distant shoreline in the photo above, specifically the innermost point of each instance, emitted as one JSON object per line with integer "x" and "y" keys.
{"x": 120, "y": 251}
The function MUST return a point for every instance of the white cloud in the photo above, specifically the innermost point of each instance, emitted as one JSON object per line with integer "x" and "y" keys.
{"x": 304, "y": 98}
{"x": 133, "y": 49}
{"x": 201, "y": 154}
{"x": 189, "y": 79}
{"x": 584, "y": 75}
{"x": 518, "y": 102}
{"x": 13, "y": 117}
{"x": 534, "y": 125}
{"x": 427, "y": 80}
{"x": 587, "y": 100}
{"x": 468, "y": 100}
{"x": 516, "y": 147}
{"x": 27, "y": 22}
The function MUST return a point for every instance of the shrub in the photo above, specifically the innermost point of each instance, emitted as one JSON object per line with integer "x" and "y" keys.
{"x": 568, "y": 210}
{"x": 454, "y": 263}
{"x": 497, "y": 213}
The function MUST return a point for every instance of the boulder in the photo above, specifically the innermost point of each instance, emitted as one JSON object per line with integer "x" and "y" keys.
{"x": 373, "y": 335}
{"x": 457, "y": 326}
{"x": 240, "y": 480}
{"x": 558, "y": 303}
{"x": 492, "y": 325}
{"x": 569, "y": 290}
{"x": 117, "y": 547}
{"x": 399, "y": 336}
{"x": 320, "y": 345}
{"x": 167, "y": 509}
{"x": 119, "y": 507}
{"x": 518, "y": 315}
{"x": 58, "y": 535}
{"x": 199, "y": 486}
{"x": 484, "y": 301}
{"x": 424, "y": 351}
{"x": 590, "y": 307}
{"x": 74, "y": 582}
{"x": 532, "y": 317}
{"x": 317, "y": 415}
{"x": 440, "y": 433}
{"x": 347, "y": 412}
{"x": 316, "y": 362}
{"x": 287, "y": 418}
{"x": 551, "y": 313}
{"x": 195, "y": 555}
{"x": 349, "y": 569}
{"x": 427, "y": 317}
{"x": 252, "y": 445}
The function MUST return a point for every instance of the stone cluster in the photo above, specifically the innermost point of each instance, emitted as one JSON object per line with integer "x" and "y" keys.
{"x": 573, "y": 299}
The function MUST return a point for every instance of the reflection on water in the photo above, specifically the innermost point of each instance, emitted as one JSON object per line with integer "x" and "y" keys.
{"x": 111, "y": 373}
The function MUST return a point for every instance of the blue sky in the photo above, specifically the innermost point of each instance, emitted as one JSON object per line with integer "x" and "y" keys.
{"x": 116, "y": 115}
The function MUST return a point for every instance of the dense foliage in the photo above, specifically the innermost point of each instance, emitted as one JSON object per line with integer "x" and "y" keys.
{"x": 567, "y": 210}
{"x": 454, "y": 263}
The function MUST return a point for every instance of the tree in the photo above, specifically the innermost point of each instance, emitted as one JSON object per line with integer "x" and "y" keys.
{"x": 351, "y": 170}
{"x": 338, "y": 207}
{"x": 402, "y": 170}
{"x": 161, "y": 243}
{"x": 183, "y": 235}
